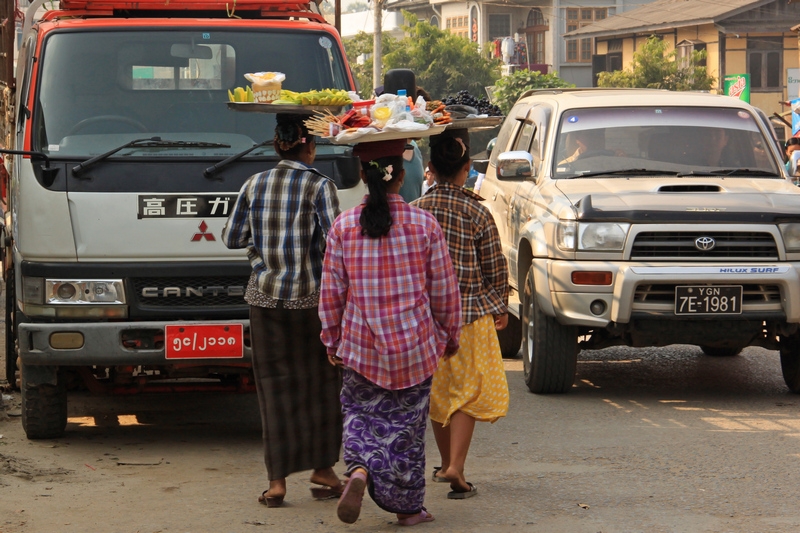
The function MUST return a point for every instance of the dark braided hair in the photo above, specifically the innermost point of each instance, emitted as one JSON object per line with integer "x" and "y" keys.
{"x": 291, "y": 134}
{"x": 376, "y": 218}
{"x": 449, "y": 154}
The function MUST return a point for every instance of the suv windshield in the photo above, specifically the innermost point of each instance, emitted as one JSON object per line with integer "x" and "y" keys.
{"x": 102, "y": 89}
{"x": 679, "y": 140}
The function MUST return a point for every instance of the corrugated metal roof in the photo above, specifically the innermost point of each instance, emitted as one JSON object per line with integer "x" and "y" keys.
{"x": 664, "y": 14}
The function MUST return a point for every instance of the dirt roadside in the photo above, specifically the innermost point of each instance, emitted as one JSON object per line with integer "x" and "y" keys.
{"x": 648, "y": 441}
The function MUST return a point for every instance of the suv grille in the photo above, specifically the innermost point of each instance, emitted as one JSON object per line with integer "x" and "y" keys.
{"x": 681, "y": 244}
{"x": 221, "y": 299}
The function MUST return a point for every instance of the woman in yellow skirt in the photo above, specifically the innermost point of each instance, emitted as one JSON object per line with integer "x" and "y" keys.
{"x": 470, "y": 385}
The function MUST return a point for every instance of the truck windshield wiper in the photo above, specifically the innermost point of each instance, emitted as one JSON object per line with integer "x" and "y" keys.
{"x": 623, "y": 172}
{"x": 728, "y": 172}
{"x": 152, "y": 142}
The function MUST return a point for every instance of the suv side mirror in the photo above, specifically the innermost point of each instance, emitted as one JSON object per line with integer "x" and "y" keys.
{"x": 515, "y": 165}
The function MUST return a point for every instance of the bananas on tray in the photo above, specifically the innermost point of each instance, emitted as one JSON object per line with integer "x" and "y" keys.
{"x": 241, "y": 94}
{"x": 324, "y": 97}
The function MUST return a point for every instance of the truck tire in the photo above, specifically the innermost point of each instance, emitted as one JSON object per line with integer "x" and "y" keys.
{"x": 790, "y": 361}
{"x": 44, "y": 408}
{"x": 510, "y": 338}
{"x": 715, "y": 351}
{"x": 549, "y": 350}
{"x": 11, "y": 333}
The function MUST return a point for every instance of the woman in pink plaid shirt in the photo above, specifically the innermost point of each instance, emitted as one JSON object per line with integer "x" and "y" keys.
{"x": 390, "y": 309}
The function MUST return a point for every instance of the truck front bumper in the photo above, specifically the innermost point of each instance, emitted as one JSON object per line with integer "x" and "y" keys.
{"x": 104, "y": 344}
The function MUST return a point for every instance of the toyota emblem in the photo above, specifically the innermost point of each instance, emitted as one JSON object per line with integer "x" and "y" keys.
{"x": 704, "y": 244}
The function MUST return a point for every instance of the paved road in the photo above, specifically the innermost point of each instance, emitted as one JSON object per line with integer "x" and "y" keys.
{"x": 649, "y": 440}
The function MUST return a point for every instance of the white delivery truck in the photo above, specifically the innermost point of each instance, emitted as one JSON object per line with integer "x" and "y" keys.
{"x": 122, "y": 161}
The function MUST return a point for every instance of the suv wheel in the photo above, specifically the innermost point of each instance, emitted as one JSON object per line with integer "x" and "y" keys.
{"x": 549, "y": 350}
{"x": 790, "y": 361}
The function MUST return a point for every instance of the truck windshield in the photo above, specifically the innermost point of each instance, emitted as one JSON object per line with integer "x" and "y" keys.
{"x": 101, "y": 89}
{"x": 679, "y": 140}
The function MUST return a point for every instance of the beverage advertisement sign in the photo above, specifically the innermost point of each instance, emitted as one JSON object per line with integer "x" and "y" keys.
{"x": 738, "y": 86}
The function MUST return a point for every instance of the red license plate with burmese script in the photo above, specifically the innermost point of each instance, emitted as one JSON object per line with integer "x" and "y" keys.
{"x": 204, "y": 341}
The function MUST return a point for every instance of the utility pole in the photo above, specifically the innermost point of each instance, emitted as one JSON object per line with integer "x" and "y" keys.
{"x": 337, "y": 15}
{"x": 377, "y": 65}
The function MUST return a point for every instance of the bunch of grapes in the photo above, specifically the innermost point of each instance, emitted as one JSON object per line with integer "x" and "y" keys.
{"x": 483, "y": 105}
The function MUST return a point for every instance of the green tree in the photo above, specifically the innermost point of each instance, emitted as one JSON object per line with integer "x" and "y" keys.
{"x": 442, "y": 62}
{"x": 655, "y": 68}
{"x": 508, "y": 89}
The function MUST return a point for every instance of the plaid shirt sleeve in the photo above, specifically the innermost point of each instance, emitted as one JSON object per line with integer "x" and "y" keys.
{"x": 327, "y": 206}
{"x": 443, "y": 289}
{"x": 333, "y": 293}
{"x": 493, "y": 266}
{"x": 236, "y": 232}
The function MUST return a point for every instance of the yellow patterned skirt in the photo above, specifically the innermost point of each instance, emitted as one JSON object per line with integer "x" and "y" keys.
{"x": 472, "y": 381}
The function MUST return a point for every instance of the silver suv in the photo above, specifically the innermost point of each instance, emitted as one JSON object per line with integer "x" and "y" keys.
{"x": 645, "y": 218}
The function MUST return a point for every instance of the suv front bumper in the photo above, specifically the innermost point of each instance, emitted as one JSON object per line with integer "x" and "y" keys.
{"x": 771, "y": 290}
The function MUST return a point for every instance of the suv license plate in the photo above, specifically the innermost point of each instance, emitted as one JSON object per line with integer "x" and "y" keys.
{"x": 708, "y": 300}
{"x": 204, "y": 341}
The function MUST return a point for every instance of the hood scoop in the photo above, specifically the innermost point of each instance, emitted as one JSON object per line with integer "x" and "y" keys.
{"x": 690, "y": 188}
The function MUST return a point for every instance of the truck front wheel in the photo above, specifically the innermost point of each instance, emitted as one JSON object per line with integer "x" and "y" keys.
{"x": 549, "y": 350}
{"x": 44, "y": 405}
{"x": 790, "y": 361}
{"x": 11, "y": 331}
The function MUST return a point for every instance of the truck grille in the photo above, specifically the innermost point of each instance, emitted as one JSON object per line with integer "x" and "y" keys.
{"x": 665, "y": 293}
{"x": 733, "y": 245}
{"x": 220, "y": 298}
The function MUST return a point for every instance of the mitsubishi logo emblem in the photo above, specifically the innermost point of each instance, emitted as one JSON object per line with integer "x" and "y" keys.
{"x": 203, "y": 235}
{"x": 704, "y": 244}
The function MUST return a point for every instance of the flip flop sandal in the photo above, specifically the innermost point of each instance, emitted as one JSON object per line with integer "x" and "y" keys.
{"x": 326, "y": 492}
{"x": 350, "y": 503}
{"x": 463, "y": 495}
{"x": 270, "y": 501}
{"x": 436, "y": 477}
{"x": 422, "y": 516}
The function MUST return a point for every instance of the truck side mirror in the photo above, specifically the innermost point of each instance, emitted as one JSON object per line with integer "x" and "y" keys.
{"x": 480, "y": 165}
{"x": 794, "y": 162}
{"x": 515, "y": 165}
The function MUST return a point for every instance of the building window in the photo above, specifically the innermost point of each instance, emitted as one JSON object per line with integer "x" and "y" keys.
{"x": 765, "y": 62}
{"x": 458, "y": 26}
{"x": 535, "y": 28}
{"x": 580, "y": 50}
{"x": 685, "y": 49}
{"x": 499, "y": 26}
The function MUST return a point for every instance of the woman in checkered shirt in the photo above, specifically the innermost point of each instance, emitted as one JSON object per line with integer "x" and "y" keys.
{"x": 390, "y": 310}
{"x": 470, "y": 386}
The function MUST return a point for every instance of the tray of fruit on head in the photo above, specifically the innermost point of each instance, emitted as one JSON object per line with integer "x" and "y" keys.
{"x": 265, "y": 95}
{"x": 472, "y": 113}
{"x": 387, "y": 117}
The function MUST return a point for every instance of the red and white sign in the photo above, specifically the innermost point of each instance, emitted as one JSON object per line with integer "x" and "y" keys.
{"x": 204, "y": 341}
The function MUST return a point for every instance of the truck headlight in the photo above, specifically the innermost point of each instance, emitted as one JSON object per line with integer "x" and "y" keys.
{"x": 791, "y": 236}
{"x": 73, "y": 298}
{"x": 602, "y": 237}
{"x": 84, "y": 291}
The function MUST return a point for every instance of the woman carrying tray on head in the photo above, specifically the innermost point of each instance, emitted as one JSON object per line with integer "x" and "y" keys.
{"x": 470, "y": 386}
{"x": 390, "y": 310}
{"x": 282, "y": 217}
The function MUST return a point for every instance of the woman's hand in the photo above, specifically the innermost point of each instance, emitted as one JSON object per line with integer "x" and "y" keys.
{"x": 501, "y": 321}
{"x": 335, "y": 360}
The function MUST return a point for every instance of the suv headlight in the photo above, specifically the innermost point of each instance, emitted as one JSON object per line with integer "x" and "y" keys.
{"x": 791, "y": 236}
{"x": 602, "y": 237}
{"x": 74, "y": 298}
{"x": 592, "y": 236}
